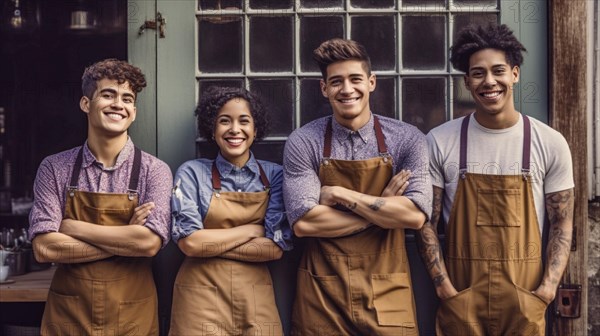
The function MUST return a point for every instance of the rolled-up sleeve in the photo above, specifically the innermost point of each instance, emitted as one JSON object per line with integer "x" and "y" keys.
{"x": 158, "y": 190}
{"x": 301, "y": 185}
{"x": 46, "y": 212}
{"x": 416, "y": 159}
{"x": 277, "y": 227}
{"x": 185, "y": 203}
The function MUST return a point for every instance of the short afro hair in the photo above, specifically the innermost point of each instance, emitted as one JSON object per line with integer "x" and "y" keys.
{"x": 472, "y": 39}
{"x": 114, "y": 69}
{"x": 215, "y": 97}
{"x": 336, "y": 50}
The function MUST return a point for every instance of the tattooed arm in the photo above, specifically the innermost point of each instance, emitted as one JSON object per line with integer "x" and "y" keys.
{"x": 431, "y": 253}
{"x": 390, "y": 212}
{"x": 559, "y": 208}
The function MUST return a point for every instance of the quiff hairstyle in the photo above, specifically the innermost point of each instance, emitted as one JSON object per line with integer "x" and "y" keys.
{"x": 215, "y": 97}
{"x": 114, "y": 69}
{"x": 472, "y": 39}
{"x": 336, "y": 50}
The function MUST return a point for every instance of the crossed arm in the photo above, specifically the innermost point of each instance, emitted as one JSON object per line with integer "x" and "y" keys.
{"x": 391, "y": 210}
{"x": 79, "y": 241}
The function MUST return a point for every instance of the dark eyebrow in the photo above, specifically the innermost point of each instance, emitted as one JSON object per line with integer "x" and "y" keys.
{"x": 109, "y": 90}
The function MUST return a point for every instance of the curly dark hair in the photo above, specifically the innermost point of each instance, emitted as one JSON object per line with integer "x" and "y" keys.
{"x": 114, "y": 69}
{"x": 215, "y": 97}
{"x": 337, "y": 49}
{"x": 472, "y": 38}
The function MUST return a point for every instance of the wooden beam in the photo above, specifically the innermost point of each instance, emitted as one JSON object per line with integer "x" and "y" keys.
{"x": 568, "y": 110}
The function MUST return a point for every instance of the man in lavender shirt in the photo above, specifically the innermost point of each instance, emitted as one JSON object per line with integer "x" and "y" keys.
{"x": 86, "y": 217}
{"x": 353, "y": 182}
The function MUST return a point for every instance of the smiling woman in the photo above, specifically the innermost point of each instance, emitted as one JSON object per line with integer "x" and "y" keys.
{"x": 228, "y": 225}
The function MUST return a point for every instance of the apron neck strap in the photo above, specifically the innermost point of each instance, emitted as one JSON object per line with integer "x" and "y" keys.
{"x": 134, "y": 177}
{"x": 381, "y": 146}
{"x": 526, "y": 145}
{"x": 216, "y": 180}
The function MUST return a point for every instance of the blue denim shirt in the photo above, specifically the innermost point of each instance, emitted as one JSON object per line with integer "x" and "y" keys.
{"x": 193, "y": 190}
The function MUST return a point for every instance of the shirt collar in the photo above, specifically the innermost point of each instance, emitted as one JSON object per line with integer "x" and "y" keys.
{"x": 123, "y": 156}
{"x": 226, "y": 168}
{"x": 342, "y": 133}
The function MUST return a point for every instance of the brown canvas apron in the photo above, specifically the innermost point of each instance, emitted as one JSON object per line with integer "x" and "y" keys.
{"x": 114, "y": 296}
{"x": 493, "y": 253}
{"x": 358, "y": 284}
{"x": 218, "y": 296}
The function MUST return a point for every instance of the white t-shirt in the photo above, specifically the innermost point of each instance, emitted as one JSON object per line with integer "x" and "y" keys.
{"x": 499, "y": 152}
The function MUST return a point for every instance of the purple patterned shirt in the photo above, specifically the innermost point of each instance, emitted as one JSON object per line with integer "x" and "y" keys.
{"x": 304, "y": 151}
{"x": 54, "y": 174}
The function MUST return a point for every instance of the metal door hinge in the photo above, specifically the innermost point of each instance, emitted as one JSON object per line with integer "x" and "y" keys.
{"x": 160, "y": 23}
{"x": 568, "y": 301}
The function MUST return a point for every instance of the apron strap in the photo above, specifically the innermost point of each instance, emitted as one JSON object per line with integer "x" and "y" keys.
{"x": 134, "y": 178}
{"x": 526, "y": 146}
{"x": 381, "y": 146}
{"x": 216, "y": 180}
{"x": 76, "y": 170}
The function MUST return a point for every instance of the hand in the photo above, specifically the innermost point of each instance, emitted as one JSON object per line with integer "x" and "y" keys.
{"x": 66, "y": 226}
{"x": 446, "y": 290}
{"x": 397, "y": 184}
{"x": 141, "y": 213}
{"x": 327, "y": 196}
{"x": 254, "y": 230}
{"x": 545, "y": 293}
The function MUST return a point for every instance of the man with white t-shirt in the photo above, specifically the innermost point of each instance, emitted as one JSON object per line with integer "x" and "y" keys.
{"x": 496, "y": 174}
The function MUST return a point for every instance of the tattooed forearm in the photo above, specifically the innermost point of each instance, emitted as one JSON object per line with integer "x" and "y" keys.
{"x": 377, "y": 204}
{"x": 429, "y": 244}
{"x": 559, "y": 207}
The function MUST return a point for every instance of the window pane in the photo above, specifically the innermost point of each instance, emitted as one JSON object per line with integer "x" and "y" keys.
{"x": 204, "y": 84}
{"x": 462, "y": 102}
{"x": 271, "y": 43}
{"x": 372, "y": 3}
{"x": 413, "y": 3}
{"x": 278, "y": 97}
{"x": 268, "y": 150}
{"x": 383, "y": 99}
{"x": 312, "y": 103}
{"x": 482, "y": 3}
{"x": 270, "y": 4}
{"x": 423, "y": 40}
{"x": 423, "y": 102}
{"x": 313, "y": 31}
{"x": 320, "y": 3}
{"x": 463, "y": 20}
{"x": 219, "y": 4}
{"x": 378, "y": 35}
{"x": 220, "y": 44}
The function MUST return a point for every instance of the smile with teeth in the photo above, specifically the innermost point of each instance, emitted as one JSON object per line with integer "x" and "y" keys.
{"x": 348, "y": 100}
{"x": 115, "y": 116}
{"x": 234, "y": 141}
{"x": 493, "y": 94}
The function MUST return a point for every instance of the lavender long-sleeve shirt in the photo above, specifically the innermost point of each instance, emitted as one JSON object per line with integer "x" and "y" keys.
{"x": 304, "y": 151}
{"x": 54, "y": 174}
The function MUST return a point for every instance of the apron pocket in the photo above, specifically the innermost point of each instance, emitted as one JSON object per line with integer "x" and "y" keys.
{"x": 108, "y": 217}
{"x": 532, "y": 306}
{"x": 266, "y": 315}
{"x": 498, "y": 207}
{"x": 64, "y": 315}
{"x": 195, "y": 309}
{"x": 138, "y": 317}
{"x": 454, "y": 316}
{"x": 392, "y": 298}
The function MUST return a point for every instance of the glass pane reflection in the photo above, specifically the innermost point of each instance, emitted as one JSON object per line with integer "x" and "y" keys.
{"x": 424, "y": 102}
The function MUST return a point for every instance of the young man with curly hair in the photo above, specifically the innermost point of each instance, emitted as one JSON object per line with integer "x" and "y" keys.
{"x": 346, "y": 191}
{"x": 496, "y": 175}
{"x": 87, "y": 216}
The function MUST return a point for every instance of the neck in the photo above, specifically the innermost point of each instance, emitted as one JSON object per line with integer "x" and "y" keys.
{"x": 106, "y": 150}
{"x": 356, "y": 123}
{"x": 498, "y": 120}
{"x": 239, "y": 161}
